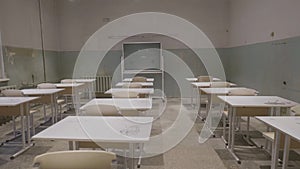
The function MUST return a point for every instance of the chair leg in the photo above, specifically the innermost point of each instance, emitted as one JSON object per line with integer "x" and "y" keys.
{"x": 45, "y": 113}
{"x": 60, "y": 111}
{"x": 248, "y": 128}
{"x": 125, "y": 159}
{"x": 14, "y": 126}
{"x": 32, "y": 124}
{"x": 224, "y": 125}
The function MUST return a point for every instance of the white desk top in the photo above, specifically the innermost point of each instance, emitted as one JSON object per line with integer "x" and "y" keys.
{"x": 99, "y": 129}
{"x": 144, "y": 84}
{"x": 4, "y": 79}
{"x": 130, "y": 79}
{"x": 41, "y": 91}
{"x": 194, "y": 79}
{"x": 207, "y": 84}
{"x": 123, "y": 103}
{"x": 69, "y": 84}
{"x": 138, "y": 90}
{"x": 14, "y": 101}
{"x": 221, "y": 91}
{"x": 289, "y": 125}
{"x": 257, "y": 101}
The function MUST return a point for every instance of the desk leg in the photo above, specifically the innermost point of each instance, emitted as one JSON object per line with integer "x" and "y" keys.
{"x": 24, "y": 147}
{"x": 275, "y": 150}
{"x": 132, "y": 149}
{"x": 52, "y": 110}
{"x": 28, "y": 123}
{"x": 77, "y": 100}
{"x": 90, "y": 89}
{"x": 54, "y": 103}
{"x": 232, "y": 129}
{"x": 71, "y": 145}
{"x": 192, "y": 95}
{"x": 230, "y": 126}
{"x": 286, "y": 151}
{"x": 22, "y": 126}
{"x": 141, "y": 147}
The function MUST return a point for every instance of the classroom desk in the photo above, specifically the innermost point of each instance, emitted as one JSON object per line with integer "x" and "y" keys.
{"x": 219, "y": 91}
{"x": 100, "y": 129}
{"x": 146, "y": 91}
{"x": 90, "y": 86}
{"x": 255, "y": 106}
{"x": 46, "y": 96}
{"x": 207, "y": 84}
{"x": 197, "y": 85}
{"x": 194, "y": 79}
{"x": 144, "y": 84}
{"x": 123, "y": 103}
{"x": 130, "y": 80}
{"x": 213, "y": 92}
{"x": 72, "y": 89}
{"x": 14, "y": 106}
{"x": 288, "y": 126}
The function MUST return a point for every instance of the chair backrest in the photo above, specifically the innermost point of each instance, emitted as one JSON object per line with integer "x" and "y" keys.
{"x": 132, "y": 85}
{"x": 125, "y": 94}
{"x": 296, "y": 110}
{"x": 219, "y": 84}
{"x": 101, "y": 110}
{"x": 242, "y": 92}
{"x": 67, "y": 81}
{"x": 12, "y": 93}
{"x": 79, "y": 159}
{"x": 46, "y": 86}
{"x": 204, "y": 78}
{"x": 139, "y": 79}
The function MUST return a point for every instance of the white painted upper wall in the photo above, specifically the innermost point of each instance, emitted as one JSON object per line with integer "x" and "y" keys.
{"x": 253, "y": 21}
{"x": 79, "y": 19}
{"x": 20, "y": 24}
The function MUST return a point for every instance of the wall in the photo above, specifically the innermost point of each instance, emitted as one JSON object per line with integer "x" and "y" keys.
{"x": 79, "y": 19}
{"x": 255, "y": 58}
{"x": 253, "y": 21}
{"x": 21, "y": 37}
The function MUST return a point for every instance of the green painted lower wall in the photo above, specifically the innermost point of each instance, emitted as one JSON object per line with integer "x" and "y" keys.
{"x": 112, "y": 60}
{"x": 25, "y": 66}
{"x": 271, "y": 67}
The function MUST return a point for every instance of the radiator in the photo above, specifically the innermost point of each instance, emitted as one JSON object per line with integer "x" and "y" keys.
{"x": 103, "y": 83}
{"x": 7, "y": 87}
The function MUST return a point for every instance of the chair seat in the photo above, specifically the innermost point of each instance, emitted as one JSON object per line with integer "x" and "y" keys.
{"x": 32, "y": 111}
{"x": 60, "y": 101}
{"x": 225, "y": 112}
{"x": 269, "y": 136}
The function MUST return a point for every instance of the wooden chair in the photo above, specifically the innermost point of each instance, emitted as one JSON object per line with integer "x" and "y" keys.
{"x": 79, "y": 159}
{"x": 139, "y": 79}
{"x": 102, "y": 110}
{"x": 62, "y": 104}
{"x": 19, "y": 93}
{"x": 219, "y": 84}
{"x": 270, "y": 136}
{"x": 204, "y": 79}
{"x": 243, "y": 111}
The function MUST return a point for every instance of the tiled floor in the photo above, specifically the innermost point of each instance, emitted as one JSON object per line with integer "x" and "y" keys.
{"x": 188, "y": 154}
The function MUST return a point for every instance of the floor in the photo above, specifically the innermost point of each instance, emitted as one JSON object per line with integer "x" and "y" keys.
{"x": 188, "y": 153}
